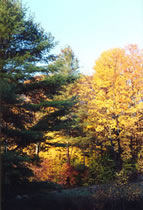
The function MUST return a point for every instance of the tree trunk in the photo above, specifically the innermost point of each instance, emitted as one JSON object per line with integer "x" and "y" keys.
{"x": 37, "y": 150}
{"x": 68, "y": 153}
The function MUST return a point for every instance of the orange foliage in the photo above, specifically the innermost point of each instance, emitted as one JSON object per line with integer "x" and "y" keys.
{"x": 68, "y": 175}
{"x": 49, "y": 170}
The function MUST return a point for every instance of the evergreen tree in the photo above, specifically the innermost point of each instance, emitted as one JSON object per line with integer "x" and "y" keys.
{"x": 29, "y": 79}
{"x": 70, "y": 66}
{"x": 69, "y": 61}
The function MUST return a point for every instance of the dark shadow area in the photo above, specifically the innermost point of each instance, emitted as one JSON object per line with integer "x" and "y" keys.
{"x": 50, "y": 196}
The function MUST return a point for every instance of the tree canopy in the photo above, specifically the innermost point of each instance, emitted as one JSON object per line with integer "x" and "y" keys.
{"x": 30, "y": 78}
{"x": 84, "y": 129}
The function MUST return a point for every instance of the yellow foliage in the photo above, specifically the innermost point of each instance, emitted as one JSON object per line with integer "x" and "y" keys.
{"x": 113, "y": 97}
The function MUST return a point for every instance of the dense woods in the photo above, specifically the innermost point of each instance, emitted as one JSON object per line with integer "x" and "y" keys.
{"x": 60, "y": 126}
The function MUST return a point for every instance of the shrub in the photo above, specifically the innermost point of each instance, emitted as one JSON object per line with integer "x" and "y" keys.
{"x": 101, "y": 169}
{"x": 68, "y": 175}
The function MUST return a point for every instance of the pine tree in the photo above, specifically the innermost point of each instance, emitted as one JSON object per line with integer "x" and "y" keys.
{"x": 29, "y": 79}
{"x": 69, "y": 67}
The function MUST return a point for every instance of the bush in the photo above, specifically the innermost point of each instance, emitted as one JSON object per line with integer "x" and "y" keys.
{"x": 68, "y": 175}
{"x": 128, "y": 173}
{"x": 82, "y": 175}
{"x": 101, "y": 170}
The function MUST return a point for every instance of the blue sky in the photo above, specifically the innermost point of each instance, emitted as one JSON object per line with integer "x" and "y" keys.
{"x": 90, "y": 26}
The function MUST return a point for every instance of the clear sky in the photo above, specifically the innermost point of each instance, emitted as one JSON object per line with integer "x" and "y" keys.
{"x": 90, "y": 26}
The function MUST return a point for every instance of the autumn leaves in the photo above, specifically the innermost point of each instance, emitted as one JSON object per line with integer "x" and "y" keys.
{"x": 114, "y": 101}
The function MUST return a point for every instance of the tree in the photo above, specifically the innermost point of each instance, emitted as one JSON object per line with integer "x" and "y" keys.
{"x": 70, "y": 67}
{"x": 114, "y": 104}
{"x": 29, "y": 80}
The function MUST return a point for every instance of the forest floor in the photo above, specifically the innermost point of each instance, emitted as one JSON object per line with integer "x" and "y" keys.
{"x": 97, "y": 197}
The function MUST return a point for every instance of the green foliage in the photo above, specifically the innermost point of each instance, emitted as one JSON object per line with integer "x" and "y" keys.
{"x": 68, "y": 61}
{"x": 101, "y": 169}
{"x": 22, "y": 47}
{"x": 28, "y": 108}
{"x": 14, "y": 168}
{"x": 127, "y": 174}
{"x": 82, "y": 174}
{"x": 37, "y": 99}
